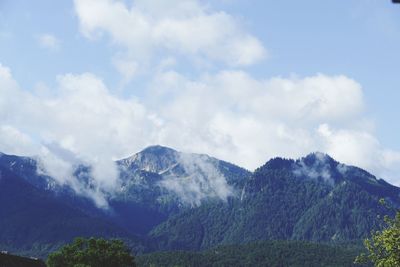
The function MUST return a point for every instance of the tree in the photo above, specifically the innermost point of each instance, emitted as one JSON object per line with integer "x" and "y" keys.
{"x": 384, "y": 246}
{"x": 92, "y": 253}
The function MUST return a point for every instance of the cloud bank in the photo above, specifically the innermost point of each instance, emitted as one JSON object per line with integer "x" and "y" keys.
{"x": 230, "y": 115}
{"x": 226, "y": 113}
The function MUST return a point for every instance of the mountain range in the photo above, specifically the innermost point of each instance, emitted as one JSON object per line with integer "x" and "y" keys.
{"x": 169, "y": 200}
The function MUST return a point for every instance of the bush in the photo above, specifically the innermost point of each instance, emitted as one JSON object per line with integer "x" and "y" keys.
{"x": 92, "y": 253}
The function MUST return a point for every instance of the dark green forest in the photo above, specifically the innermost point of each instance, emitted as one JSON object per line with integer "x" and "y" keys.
{"x": 267, "y": 253}
{"x": 7, "y": 260}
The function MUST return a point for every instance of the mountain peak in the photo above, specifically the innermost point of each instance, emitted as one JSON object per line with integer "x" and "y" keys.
{"x": 157, "y": 149}
{"x": 153, "y": 159}
{"x": 319, "y": 161}
{"x": 278, "y": 163}
{"x": 312, "y": 159}
{"x": 318, "y": 156}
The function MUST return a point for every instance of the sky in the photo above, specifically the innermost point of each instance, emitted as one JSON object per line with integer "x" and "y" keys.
{"x": 243, "y": 81}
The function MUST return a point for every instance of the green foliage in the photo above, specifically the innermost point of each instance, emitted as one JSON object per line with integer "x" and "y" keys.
{"x": 384, "y": 246}
{"x": 268, "y": 253}
{"x": 92, "y": 253}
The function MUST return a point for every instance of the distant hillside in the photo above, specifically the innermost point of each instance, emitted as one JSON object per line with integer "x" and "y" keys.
{"x": 8, "y": 260}
{"x": 270, "y": 253}
{"x": 34, "y": 221}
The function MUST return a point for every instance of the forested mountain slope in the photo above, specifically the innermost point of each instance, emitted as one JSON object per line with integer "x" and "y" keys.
{"x": 168, "y": 200}
{"x": 314, "y": 198}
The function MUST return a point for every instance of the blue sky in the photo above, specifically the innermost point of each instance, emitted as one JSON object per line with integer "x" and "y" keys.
{"x": 240, "y": 80}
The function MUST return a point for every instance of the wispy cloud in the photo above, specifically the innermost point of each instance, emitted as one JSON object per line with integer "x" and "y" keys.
{"x": 49, "y": 41}
{"x": 201, "y": 180}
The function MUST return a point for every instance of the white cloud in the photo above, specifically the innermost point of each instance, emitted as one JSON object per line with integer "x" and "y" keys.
{"x": 49, "y": 41}
{"x": 362, "y": 149}
{"x": 202, "y": 180}
{"x": 127, "y": 68}
{"x": 188, "y": 28}
{"x": 236, "y": 117}
{"x": 15, "y": 142}
{"x": 230, "y": 115}
{"x": 82, "y": 118}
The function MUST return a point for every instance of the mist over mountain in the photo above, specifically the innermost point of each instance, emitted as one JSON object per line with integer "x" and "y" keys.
{"x": 158, "y": 182}
{"x": 36, "y": 218}
{"x": 190, "y": 177}
{"x": 167, "y": 200}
